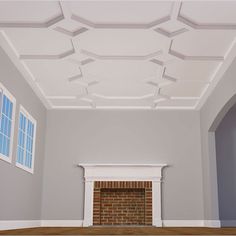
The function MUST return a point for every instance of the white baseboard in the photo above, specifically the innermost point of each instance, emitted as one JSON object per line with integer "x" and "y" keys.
{"x": 183, "y": 223}
{"x": 15, "y": 224}
{"x": 19, "y": 224}
{"x": 61, "y": 223}
{"x": 228, "y": 223}
{"x": 212, "y": 223}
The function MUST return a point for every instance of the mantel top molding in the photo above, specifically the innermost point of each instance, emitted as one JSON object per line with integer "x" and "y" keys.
{"x": 119, "y": 165}
{"x": 116, "y": 172}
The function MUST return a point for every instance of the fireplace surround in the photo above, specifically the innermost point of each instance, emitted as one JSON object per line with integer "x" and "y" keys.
{"x": 104, "y": 179}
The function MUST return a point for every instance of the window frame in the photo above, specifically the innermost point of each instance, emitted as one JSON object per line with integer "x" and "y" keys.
{"x": 13, "y": 100}
{"x": 31, "y": 119}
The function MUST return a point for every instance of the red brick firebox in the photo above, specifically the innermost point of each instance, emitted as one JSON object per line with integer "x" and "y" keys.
{"x": 122, "y": 203}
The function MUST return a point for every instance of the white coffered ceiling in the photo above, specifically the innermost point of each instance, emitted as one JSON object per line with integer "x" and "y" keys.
{"x": 120, "y": 54}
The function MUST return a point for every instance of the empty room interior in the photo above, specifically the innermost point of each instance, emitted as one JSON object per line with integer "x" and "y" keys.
{"x": 117, "y": 117}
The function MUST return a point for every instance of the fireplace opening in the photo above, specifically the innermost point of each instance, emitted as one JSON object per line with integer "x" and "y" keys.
{"x": 122, "y": 206}
{"x": 122, "y": 203}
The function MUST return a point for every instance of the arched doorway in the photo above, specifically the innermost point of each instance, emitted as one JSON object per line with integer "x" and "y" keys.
{"x": 225, "y": 140}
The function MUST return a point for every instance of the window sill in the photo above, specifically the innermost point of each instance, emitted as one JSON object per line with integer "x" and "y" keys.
{"x": 31, "y": 171}
{"x": 5, "y": 158}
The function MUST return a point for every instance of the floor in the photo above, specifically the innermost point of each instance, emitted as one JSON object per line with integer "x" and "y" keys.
{"x": 121, "y": 231}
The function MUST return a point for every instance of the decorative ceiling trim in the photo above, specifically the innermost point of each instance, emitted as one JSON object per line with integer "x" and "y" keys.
{"x": 75, "y": 78}
{"x": 120, "y": 57}
{"x": 204, "y": 26}
{"x": 193, "y": 58}
{"x": 217, "y": 75}
{"x": 90, "y": 101}
{"x": 48, "y": 57}
{"x": 82, "y": 62}
{"x": 31, "y": 24}
{"x": 70, "y": 33}
{"x": 125, "y": 107}
{"x": 161, "y": 62}
{"x": 171, "y": 34}
{"x": 89, "y": 98}
{"x": 122, "y": 97}
{"x": 10, "y": 50}
{"x": 127, "y": 25}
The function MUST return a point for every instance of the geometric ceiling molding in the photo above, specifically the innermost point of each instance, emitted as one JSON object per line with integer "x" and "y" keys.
{"x": 161, "y": 62}
{"x": 121, "y": 97}
{"x": 171, "y": 34}
{"x": 204, "y": 26}
{"x": 196, "y": 25}
{"x": 127, "y": 25}
{"x": 74, "y": 78}
{"x": 48, "y": 57}
{"x": 90, "y": 101}
{"x": 165, "y": 80}
{"x": 182, "y": 71}
{"x": 120, "y": 57}
{"x": 159, "y": 97}
{"x": 193, "y": 58}
{"x": 87, "y": 84}
{"x": 159, "y": 84}
{"x": 70, "y": 33}
{"x": 158, "y": 62}
{"x": 167, "y": 77}
{"x": 82, "y": 62}
{"x": 86, "y": 61}
{"x": 32, "y": 24}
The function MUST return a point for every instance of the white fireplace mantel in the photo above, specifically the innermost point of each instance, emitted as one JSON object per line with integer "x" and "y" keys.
{"x": 122, "y": 172}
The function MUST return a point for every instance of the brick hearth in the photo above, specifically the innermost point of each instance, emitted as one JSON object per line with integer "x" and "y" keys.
{"x": 122, "y": 203}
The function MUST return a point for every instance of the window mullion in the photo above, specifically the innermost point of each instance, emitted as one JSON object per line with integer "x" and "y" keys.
{"x": 25, "y": 133}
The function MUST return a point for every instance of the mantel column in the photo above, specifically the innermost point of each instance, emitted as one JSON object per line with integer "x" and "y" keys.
{"x": 88, "y": 203}
{"x": 156, "y": 203}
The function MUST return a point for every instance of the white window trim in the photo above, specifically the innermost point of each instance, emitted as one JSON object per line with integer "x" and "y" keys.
{"x": 13, "y": 100}
{"x": 28, "y": 116}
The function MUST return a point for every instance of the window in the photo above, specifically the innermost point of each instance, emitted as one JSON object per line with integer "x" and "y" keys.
{"x": 26, "y": 141}
{"x": 7, "y": 115}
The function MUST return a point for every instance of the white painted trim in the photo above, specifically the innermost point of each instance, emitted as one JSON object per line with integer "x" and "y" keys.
{"x": 13, "y": 100}
{"x": 123, "y": 108}
{"x": 29, "y": 117}
{"x": 183, "y": 223}
{"x": 13, "y": 54}
{"x": 218, "y": 75}
{"x": 61, "y": 223}
{"x": 120, "y": 165}
{"x": 19, "y": 224}
{"x": 122, "y": 172}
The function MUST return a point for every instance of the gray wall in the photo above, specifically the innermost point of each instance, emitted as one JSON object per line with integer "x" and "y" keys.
{"x": 226, "y": 166}
{"x": 171, "y": 137}
{"x": 20, "y": 191}
{"x": 218, "y": 103}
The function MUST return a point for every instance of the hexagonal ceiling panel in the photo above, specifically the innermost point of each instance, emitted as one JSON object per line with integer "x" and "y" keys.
{"x": 120, "y": 54}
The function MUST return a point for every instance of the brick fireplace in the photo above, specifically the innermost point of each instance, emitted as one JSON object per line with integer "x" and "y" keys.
{"x": 122, "y": 203}
{"x": 122, "y": 194}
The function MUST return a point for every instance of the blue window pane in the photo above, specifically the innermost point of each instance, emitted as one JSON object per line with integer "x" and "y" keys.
{"x": 9, "y": 128}
{"x": 4, "y": 104}
{"x": 10, "y": 109}
{"x": 8, "y": 147}
{"x": 25, "y": 141}
{"x": 4, "y": 146}
{"x": 5, "y": 124}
